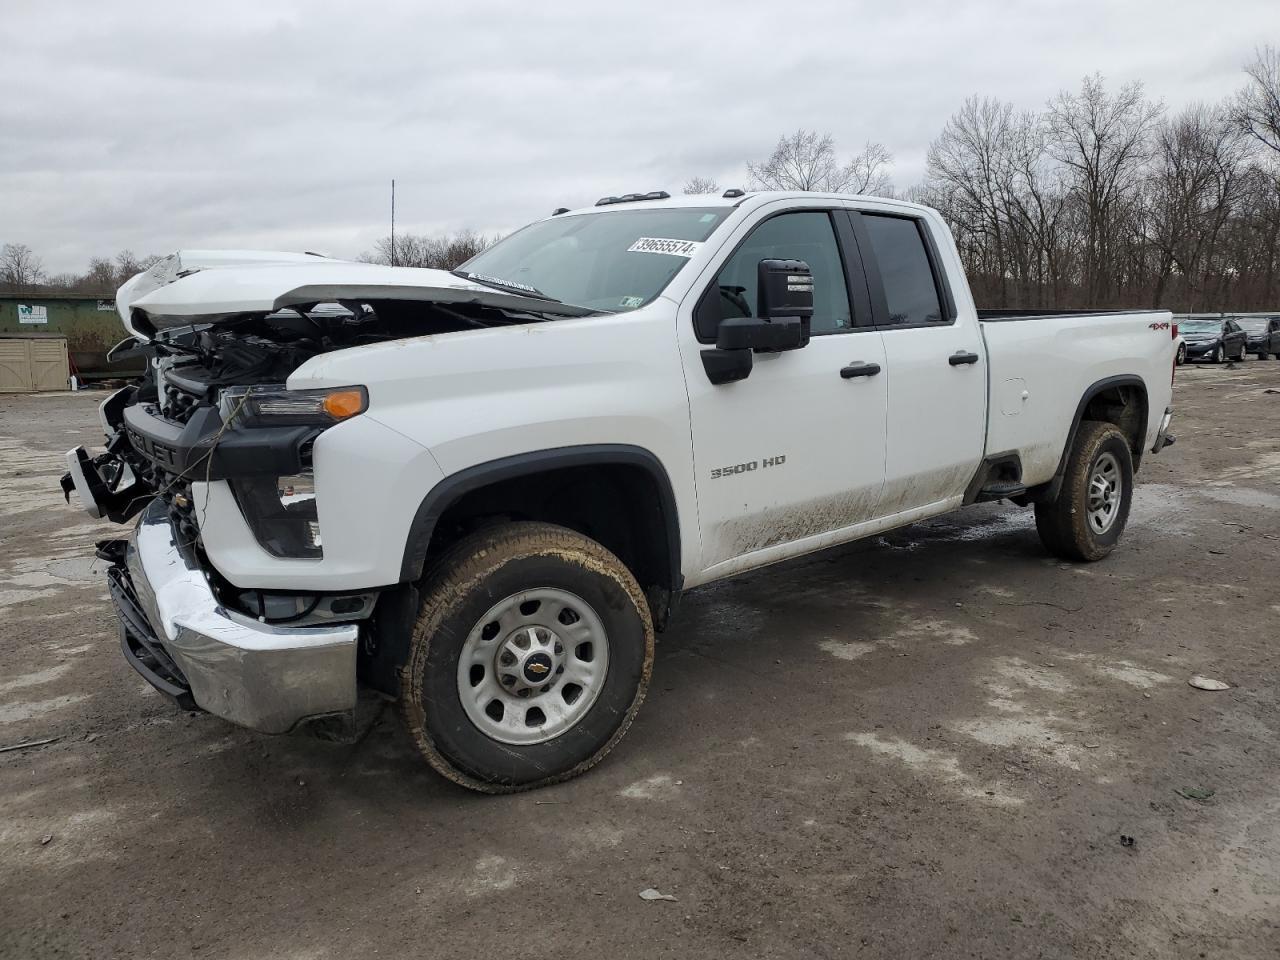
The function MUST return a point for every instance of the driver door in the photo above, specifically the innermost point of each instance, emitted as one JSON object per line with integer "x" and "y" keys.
{"x": 796, "y": 451}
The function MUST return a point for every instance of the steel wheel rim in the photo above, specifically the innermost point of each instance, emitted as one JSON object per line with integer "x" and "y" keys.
{"x": 1106, "y": 489}
{"x": 533, "y": 666}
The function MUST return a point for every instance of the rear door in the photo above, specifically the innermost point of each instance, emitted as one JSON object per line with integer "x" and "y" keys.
{"x": 796, "y": 450}
{"x": 935, "y": 365}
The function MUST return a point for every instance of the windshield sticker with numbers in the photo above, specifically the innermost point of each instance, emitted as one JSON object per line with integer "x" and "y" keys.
{"x": 675, "y": 248}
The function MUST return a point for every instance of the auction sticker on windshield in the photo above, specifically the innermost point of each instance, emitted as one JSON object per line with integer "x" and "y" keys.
{"x": 676, "y": 248}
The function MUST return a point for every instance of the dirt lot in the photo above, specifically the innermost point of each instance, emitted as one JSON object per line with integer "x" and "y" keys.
{"x": 925, "y": 745}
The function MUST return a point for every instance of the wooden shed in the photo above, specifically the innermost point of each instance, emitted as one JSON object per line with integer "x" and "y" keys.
{"x": 33, "y": 362}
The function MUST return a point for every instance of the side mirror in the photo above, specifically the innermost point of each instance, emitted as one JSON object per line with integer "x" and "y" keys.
{"x": 785, "y": 290}
{"x": 784, "y": 302}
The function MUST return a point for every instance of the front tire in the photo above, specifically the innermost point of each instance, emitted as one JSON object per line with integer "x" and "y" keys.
{"x": 1216, "y": 355}
{"x": 529, "y": 659}
{"x": 1181, "y": 356}
{"x": 1086, "y": 520}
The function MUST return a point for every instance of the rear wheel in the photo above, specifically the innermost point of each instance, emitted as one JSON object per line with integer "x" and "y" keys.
{"x": 529, "y": 659}
{"x": 1086, "y": 520}
{"x": 1244, "y": 352}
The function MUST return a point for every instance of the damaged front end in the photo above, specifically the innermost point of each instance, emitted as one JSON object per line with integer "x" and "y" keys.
{"x": 211, "y": 445}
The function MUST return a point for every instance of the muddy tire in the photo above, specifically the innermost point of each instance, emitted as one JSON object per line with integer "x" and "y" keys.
{"x": 529, "y": 659}
{"x": 1086, "y": 520}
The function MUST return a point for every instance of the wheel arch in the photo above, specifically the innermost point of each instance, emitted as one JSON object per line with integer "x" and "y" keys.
{"x": 640, "y": 524}
{"x": 1121, "y": 400}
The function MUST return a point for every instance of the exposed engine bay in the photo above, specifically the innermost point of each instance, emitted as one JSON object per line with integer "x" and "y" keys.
{"x": 192, "y": 365}
{"x": 213, "y": 407}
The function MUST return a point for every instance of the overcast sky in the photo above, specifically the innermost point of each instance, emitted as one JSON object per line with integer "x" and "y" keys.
{"x": 280, "y": 124}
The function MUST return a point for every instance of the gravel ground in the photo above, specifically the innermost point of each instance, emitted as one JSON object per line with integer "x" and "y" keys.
{"x": 928, "y": 744}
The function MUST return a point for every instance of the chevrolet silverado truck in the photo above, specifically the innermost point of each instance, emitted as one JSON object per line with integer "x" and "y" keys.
{"x": 481, "y": 492}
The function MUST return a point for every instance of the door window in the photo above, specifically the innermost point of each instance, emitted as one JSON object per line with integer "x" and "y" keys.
{"x": 910, "y": 289}
{"x": 805, "y": 235}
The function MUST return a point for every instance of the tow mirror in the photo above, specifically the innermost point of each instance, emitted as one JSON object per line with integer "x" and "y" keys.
{"x": 784, "y": 304}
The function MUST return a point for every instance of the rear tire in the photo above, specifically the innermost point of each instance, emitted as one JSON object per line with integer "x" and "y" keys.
{"x": 503, "y": 611}
{"x": 1086, "y": 520}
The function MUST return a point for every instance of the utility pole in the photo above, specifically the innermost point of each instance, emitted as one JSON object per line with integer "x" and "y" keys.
{"x": 393, "y": 224}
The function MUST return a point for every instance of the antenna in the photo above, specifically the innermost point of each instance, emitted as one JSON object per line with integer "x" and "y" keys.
{"x": 393, "y": 223}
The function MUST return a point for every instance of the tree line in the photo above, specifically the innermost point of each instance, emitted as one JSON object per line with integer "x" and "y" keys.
{"x": 1102, "y": 198}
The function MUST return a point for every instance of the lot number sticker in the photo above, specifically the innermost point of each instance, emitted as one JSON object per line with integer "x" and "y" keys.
{"x": 675, "y": 248}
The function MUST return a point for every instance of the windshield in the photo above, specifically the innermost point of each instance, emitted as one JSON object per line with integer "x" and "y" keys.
{"x": 1201, "y": 326}
{"x": 1253, "y": 324}
{"x": 612, "y": 260}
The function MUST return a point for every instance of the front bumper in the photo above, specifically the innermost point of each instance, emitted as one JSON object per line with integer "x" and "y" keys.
{"x": 268, "y": 678}
{"x": 1197, "y": 351}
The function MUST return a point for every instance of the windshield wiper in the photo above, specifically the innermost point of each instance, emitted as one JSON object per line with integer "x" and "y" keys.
{"x": 509, "y": 285}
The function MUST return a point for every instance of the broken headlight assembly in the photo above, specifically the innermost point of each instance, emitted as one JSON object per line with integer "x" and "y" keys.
{"x": 281, "y": 510}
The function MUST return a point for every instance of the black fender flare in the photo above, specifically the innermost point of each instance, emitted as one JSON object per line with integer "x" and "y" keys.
{"x": 447, "y": 492}
{"x": 1054, "y": 486}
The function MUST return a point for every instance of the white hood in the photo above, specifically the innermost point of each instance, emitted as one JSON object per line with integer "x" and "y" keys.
{"x": 206, "y": 286}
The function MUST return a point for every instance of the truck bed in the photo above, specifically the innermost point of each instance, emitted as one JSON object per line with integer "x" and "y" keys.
{"x": 1038, "y": 373}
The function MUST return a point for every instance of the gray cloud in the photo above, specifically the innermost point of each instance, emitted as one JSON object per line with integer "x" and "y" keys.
{"x": 278, "y": 124}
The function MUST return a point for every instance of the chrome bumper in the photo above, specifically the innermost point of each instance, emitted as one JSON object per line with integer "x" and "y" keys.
{"x": 267, "y": 678}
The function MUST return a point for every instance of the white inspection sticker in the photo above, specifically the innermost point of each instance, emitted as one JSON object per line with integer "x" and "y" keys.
{"x": 676, "y": 248}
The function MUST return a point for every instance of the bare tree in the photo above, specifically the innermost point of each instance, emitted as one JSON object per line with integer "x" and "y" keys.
{"x": 1257, "y": 106}
{"x": 806, "y": 160}
{"x": 700, "y": 185}
{"x": 128, "y": 265}
{"x": 440, "y": 251}
{"x": 19, "y": 266}
{"x": 1194, "y": 183}
{"x": 1104, "y": 139}
{"x": 100, "y": 277}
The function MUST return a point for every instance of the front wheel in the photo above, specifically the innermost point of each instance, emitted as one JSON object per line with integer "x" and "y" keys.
{"x": 1216, "y": 355}
{"x": 1086, "y": 520}
{"x": 529, "y": 659}
{"x": 1181, "y": 356}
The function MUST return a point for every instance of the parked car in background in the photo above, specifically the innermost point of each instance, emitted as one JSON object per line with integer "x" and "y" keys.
{"x": 1214, "y": 339}
{"x": 1263, "y": 335}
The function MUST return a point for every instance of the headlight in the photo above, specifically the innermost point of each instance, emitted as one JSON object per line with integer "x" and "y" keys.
{"x": 281, "y": 511}
{"x": 272, "y": 404}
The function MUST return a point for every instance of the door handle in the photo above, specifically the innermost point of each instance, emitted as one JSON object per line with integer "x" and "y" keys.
{"x": 859, "y": 369}
{"x": 962, "y": 357}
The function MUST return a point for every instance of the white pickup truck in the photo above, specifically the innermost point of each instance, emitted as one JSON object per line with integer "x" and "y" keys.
{"x": 481, "y": 492}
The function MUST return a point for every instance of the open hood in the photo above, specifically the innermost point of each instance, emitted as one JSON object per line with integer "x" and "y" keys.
{"x": 206, "y": 286}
